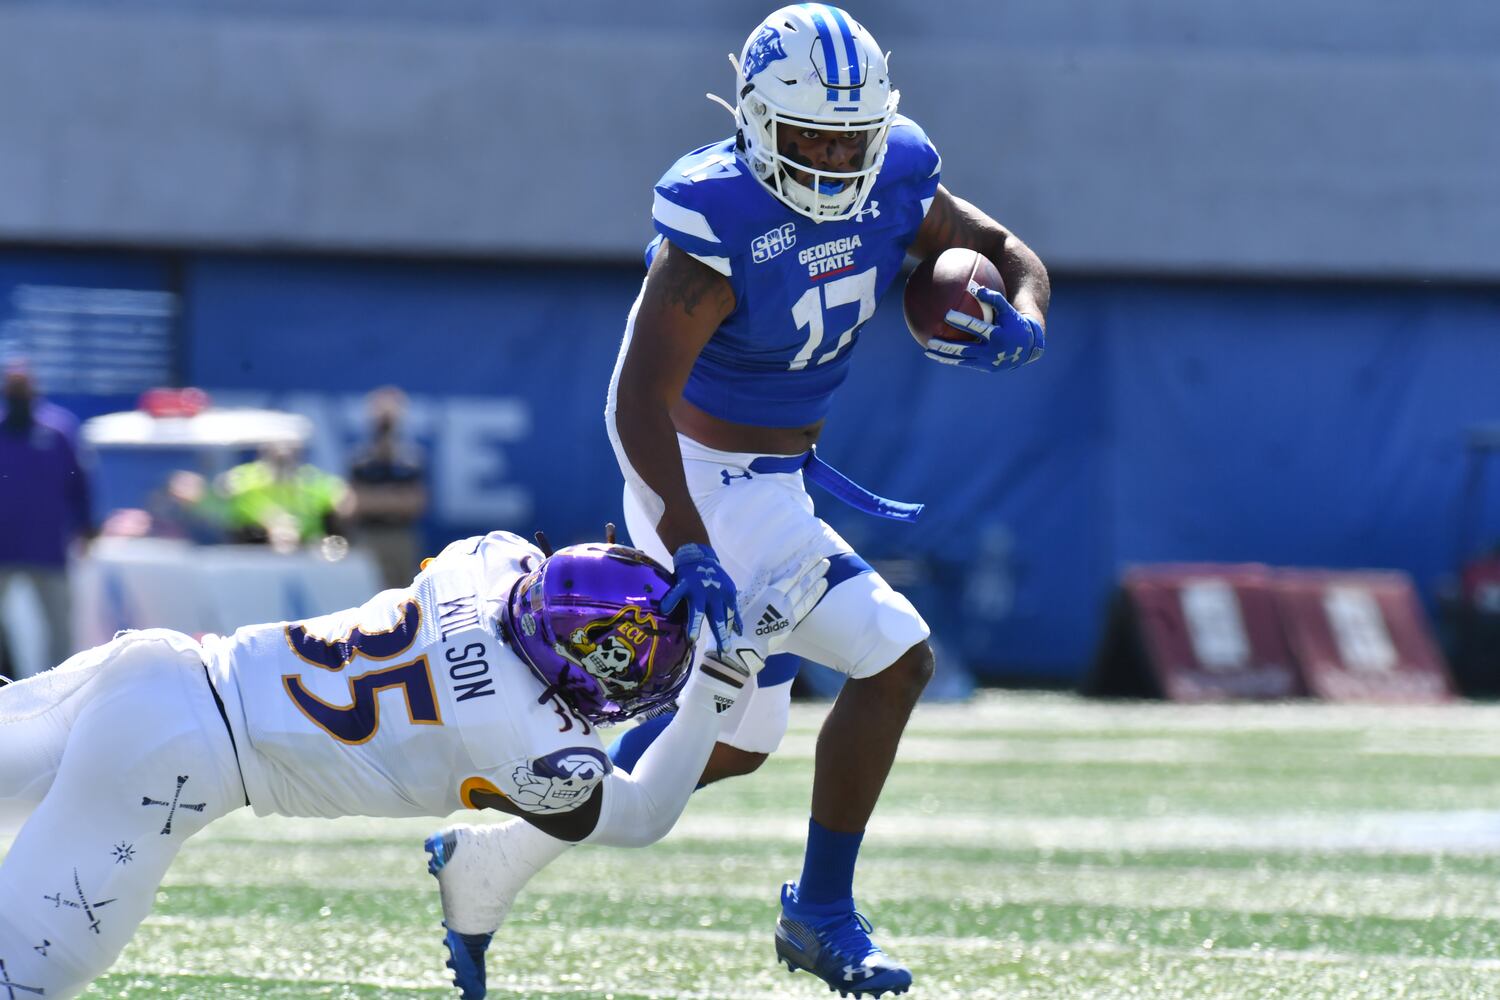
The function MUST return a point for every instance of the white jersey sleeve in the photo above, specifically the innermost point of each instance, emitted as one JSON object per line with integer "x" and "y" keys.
{"x": 639, "y": 808}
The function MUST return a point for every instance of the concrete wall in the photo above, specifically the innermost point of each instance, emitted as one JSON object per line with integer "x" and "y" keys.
{"x": 1183, "y": 137}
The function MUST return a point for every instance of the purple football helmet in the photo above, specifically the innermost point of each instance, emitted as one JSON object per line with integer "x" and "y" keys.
{"x": 588, "y": 622}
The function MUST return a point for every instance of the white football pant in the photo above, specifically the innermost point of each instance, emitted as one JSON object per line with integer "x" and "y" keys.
{"x": 113, "y": 760}
{"x": 759, "y": 524}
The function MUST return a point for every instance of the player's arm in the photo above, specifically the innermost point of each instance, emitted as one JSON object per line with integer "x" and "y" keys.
{"x": 1015, "y": 334}
{"x": 953, "y": 222}
{"x": 639, "y": 808}
{"x": 682, "y": 304}
{"x": 636, "y": 809}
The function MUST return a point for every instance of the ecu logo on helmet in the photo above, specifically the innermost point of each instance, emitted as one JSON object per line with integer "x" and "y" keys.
{"x": 609, "y": 647}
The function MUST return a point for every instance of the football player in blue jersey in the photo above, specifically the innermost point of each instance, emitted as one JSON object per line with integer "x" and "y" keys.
{"x": 772, "y": 249}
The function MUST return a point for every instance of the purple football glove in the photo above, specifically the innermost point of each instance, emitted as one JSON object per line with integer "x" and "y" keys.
{"x": 1010, "y": 341}
{"x": 698, "y": 579}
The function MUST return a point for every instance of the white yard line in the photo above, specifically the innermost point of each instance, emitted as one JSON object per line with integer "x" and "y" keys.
{"x": 1462, "y": 832}
{"x": 1023, "y": 712}
{"x": 1471, "y": 831}
{"x": 625, "y": 935}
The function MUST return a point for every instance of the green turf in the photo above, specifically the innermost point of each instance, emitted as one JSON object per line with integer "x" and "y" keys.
{"x": 1029, "y": 846}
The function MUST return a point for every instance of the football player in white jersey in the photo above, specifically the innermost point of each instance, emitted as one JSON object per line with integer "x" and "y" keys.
{"x": 772, "y": 248}
{"x": 477, "y": 687}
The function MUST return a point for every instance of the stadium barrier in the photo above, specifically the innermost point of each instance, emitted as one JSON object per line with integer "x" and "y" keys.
{"x": 1362, "y": 637}
{"x": 1207, "y": 632}
{"x": 164, "y": 583}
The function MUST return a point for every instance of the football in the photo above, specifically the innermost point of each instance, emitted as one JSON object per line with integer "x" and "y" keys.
{"x": 941, "y": 282}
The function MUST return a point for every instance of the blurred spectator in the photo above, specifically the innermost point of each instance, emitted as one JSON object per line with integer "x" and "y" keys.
{"x": 1481, "y": 582}
{"x": 44, "y": 501}
{"x": 279, "y": 500}
{"x": 390, "y": 497}
{"x": 1472, "y": 615}
{"x": 189, "y": 507}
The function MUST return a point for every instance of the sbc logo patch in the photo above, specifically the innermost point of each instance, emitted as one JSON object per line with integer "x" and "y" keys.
{"x": 768, "y": 245}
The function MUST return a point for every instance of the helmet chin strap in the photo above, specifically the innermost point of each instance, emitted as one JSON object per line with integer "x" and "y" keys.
{"x": 561, "y": 686}
{"x": 723, "y": 104}
{"x": 734, "y": 62}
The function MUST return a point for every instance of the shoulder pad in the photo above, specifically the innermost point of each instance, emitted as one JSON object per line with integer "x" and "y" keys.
{"x": 510, "y": 540}
{"x": 462, "y": 547}
{"x": 497, "y": 544}
{"x": 909, "y": 154}
{"x": 706, "y": 200}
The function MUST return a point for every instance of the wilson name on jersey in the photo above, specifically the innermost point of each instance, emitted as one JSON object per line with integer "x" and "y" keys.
{"x": 803, "y": 289}
{"x": 408, "y": 704}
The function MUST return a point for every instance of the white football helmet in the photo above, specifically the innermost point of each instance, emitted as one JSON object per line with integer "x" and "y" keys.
{"x": 812, "y": 66}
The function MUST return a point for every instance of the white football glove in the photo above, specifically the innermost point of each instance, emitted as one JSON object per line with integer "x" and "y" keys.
{"x": 722, "y": 674}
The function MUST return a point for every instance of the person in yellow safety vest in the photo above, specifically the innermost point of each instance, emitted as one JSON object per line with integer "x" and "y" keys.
{"x": 279, "y": 500}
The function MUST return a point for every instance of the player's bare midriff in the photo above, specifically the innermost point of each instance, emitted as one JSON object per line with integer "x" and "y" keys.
{"x": 725, "y": 435}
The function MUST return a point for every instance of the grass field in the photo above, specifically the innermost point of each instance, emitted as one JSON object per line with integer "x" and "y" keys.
{"x": 1028, "y": 846}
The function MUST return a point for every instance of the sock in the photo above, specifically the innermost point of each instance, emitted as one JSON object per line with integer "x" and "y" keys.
{"x": 526, "y": 849}
{"x": 491, "y": 865}
{"x": 828, "y": 866}
{"x": 628, "y": 747}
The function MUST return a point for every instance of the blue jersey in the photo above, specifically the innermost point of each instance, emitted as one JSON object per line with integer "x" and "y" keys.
{"x": 802, "y": 289}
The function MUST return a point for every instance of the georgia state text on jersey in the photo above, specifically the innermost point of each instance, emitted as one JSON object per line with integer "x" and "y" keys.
{"x": 407, "y": 705}
{"x": 802, "y": 288}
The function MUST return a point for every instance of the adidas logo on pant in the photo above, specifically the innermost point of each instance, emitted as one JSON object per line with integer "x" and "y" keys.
{"x": 771, "y": 622}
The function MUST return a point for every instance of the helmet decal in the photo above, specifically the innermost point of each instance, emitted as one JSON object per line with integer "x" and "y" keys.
{"x": 589, "y": 624}
{"x": 841, "y": 61}
{"x": 607, "y": 647}
{"x": 764, "y": 49}
{"x": 560, "y": 781}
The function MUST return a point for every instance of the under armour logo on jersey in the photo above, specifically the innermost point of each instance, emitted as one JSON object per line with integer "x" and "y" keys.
{"x": 731, "y": 476}
{"x": 768, "y": 245}
{"x": 174, "y": 805}
{"x": 11, "y": 986}
{"x": 82, "y": 903}
{"x": 872, "y": 210}
{"x": 771, "y": 622}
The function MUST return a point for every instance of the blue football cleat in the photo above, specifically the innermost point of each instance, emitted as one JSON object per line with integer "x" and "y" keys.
{"x": 833, "y": 943}
{"x": 465, "y": 951}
